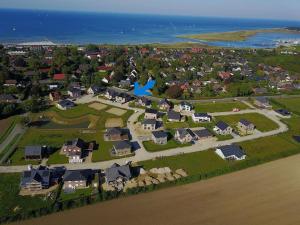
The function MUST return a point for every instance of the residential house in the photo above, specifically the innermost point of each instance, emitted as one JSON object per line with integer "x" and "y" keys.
{"x": 203, "y": 134}
{"x": 185, "y": 106}
{"x": 116, "y": 134}
{"x": 222, "y": 128}
{"x": 74, "y": 150}
{"x": 65, "y": 104}
{"x": 36, "y": 179}
{"x": 125, "y": 84}
{"x": 201, "y": 118}
{"x": 34, "y": 152}
{"x": 123, "y": 98}
{"x": 184, "y": 135}
{"x": 225, "y": 75}
{"x": 110, "y": 94}
{"x": 245, "y": 127}
{"x": 122, "y": 148}
{"x": 95, "y": 89}
{"x": 231, "y": 152}
{"x": 149, "y": 124}
{"x": 10, "y": 83}
{"x": 8, "y": 98}
{"x": 59, "y": 77}
{"x": 77, "y": 179}
{"x": 151, "y": 114}
{"x": 262, "y": 102}
{"x": 160, "y": 137}
{"x": 74, "y": 92}
{"x": 173, "y": 116}
{"x": 145, "y": 102}
{"x": 54, "y": 96}
{"x": 164, "y": 104}
{"x": 283, "y": 112}
{"x": 117, "y": 175}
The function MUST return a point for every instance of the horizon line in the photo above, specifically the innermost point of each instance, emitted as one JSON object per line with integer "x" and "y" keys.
{"x": 149, "y": 14}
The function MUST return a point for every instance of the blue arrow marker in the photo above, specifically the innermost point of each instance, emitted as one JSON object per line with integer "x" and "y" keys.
{"x": 141, "y": 91}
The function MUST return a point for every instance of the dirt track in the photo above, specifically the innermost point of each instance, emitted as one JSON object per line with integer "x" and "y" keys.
{"x": 263, "y": 195}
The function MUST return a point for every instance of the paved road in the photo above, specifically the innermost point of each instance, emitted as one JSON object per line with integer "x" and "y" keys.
{"x": 16, "y": 130}
{"x": 142, "y": 154}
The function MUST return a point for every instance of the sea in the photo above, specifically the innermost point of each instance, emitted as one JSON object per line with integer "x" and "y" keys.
{"x": 18, "y": 26}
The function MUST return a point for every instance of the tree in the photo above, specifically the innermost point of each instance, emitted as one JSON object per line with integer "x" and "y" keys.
{"x": 20, "y": 62}
{"x": 174, "y": 92}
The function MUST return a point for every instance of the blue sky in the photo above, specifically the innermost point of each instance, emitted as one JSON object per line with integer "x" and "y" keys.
{"x": 276, "y": 9}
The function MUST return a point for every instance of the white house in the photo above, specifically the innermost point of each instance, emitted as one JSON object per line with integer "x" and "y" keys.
{"x": 201, "y": 118}
{"x": 185, "y": 106}
{"x": 230, "y": 152}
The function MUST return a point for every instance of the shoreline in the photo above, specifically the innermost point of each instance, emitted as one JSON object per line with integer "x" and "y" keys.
{"x": 235, "y": 36}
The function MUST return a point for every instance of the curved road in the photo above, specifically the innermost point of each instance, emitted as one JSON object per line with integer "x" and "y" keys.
{"x": 142, "y": 154}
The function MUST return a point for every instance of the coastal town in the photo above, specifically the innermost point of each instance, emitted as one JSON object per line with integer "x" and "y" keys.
{"x": 73, "y": 130}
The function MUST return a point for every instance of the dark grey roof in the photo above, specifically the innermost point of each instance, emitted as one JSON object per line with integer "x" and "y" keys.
{"x": 33, "y": 151}
{"x": 222, "y": 125}
{"x": 245, "y": 122}
{"x": 76, "y": 142}
{"x": 263, "y": 100}
{"x": 66, "y": 103}
{"x": 149, "y": 121}
{"x": 146, "y": 101}
{"x": 283, "y": 112}
{"x": 164, "y": 101}
{"x": 297, "y": 138}
{"x": 7, "y": 97}
{"x": 78, "y": 175}
{"x": 160, "y": 134}
{"x": 122, "y": 145}
{"x": 114, "y": 131}
{"x": 153, "y": 111}
{"x": 74, "y": 90}
{"x": 174, "y": 115}
{"x": 97, "y": 88}
{"x": 201, "y": 115}
{"x": 203, "y": 133}
{"x": 232, "y": 150}
{"x": 117, "y": 171}
{"x": 184, "y": 132}
{"x": 41, "y": 175}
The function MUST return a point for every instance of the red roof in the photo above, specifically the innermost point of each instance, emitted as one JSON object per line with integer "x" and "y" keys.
{"x": 104, "y": 68}
{"x": 59, "y": 76}
{"x": 225, "y": 75}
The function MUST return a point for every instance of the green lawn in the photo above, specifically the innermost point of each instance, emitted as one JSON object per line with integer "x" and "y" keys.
{"x": 193, "y": 163}
{"x": 11, "y": 201}
{"x": 57, "y": 158}
{"x": 261, "y": 122}
{"x": 150, "y": 146}
{"x": 78, "y": 193}
{"x": 292, "y": 104}
{"x": 219, "y": 106}
{"x": 6, "y": 126}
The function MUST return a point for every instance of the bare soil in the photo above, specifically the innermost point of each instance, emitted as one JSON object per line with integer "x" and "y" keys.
{"x": 264, "y": 195}
{"x": 114, "y": 122}
{"x": 116, "y": 111}
{"x": 98, "y": 106}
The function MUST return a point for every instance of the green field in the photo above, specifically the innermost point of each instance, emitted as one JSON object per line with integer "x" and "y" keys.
{"x": 57, "y": 158}
{"x": 6, "y": 126}
{"x": 292, "y": 104}
{"x": 261, "y": 122}
{"x": 219, "y": 106}
{"x": 11, "y": 201}
{"x": 150, "y": 146}
{"x": 193, "y": 163}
